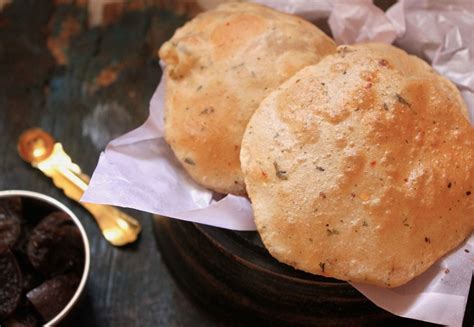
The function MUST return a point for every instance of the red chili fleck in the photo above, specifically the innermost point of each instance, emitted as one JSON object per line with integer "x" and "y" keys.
{"x": 264, "y": 174}
{"x": 383, "y": 62}
{"x": 373, "y": 163}
{"x": 368, "y": 86}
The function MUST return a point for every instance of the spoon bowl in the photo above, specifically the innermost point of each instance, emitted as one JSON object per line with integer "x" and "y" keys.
{"x": 35, "y": 145}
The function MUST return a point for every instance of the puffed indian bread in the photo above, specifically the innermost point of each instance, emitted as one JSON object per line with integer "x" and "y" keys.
{"x": 219, "y": 66}
{"x": 362, "y": 167}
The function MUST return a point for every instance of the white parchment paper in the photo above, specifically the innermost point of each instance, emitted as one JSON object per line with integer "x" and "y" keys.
{"x": 138, "y": 170}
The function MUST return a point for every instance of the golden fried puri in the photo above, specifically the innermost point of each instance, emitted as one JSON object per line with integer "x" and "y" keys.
{"x": 362, "y": 167}
{"x": 219, "y": 66}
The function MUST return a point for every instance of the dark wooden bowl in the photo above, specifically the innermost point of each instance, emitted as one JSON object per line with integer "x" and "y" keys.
{"x": 232, "y": 275}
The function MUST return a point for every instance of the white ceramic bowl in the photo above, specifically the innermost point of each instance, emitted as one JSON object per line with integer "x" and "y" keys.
{"x": 87, "y": 255}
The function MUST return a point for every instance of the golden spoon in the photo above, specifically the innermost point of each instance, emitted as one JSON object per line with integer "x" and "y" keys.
{"x": 43, "y": 152}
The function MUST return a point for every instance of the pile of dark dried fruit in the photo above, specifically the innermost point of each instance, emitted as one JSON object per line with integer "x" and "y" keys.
{"x": 41, "y": 261}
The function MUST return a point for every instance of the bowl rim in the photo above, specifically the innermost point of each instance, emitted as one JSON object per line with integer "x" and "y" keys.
{"x": 87, "y": 256}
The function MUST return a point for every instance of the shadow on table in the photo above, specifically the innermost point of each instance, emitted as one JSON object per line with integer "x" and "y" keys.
{"x": 82, "y": 315}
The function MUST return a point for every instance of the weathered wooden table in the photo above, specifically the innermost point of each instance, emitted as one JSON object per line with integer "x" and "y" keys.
{"x": 85, "y": 86}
